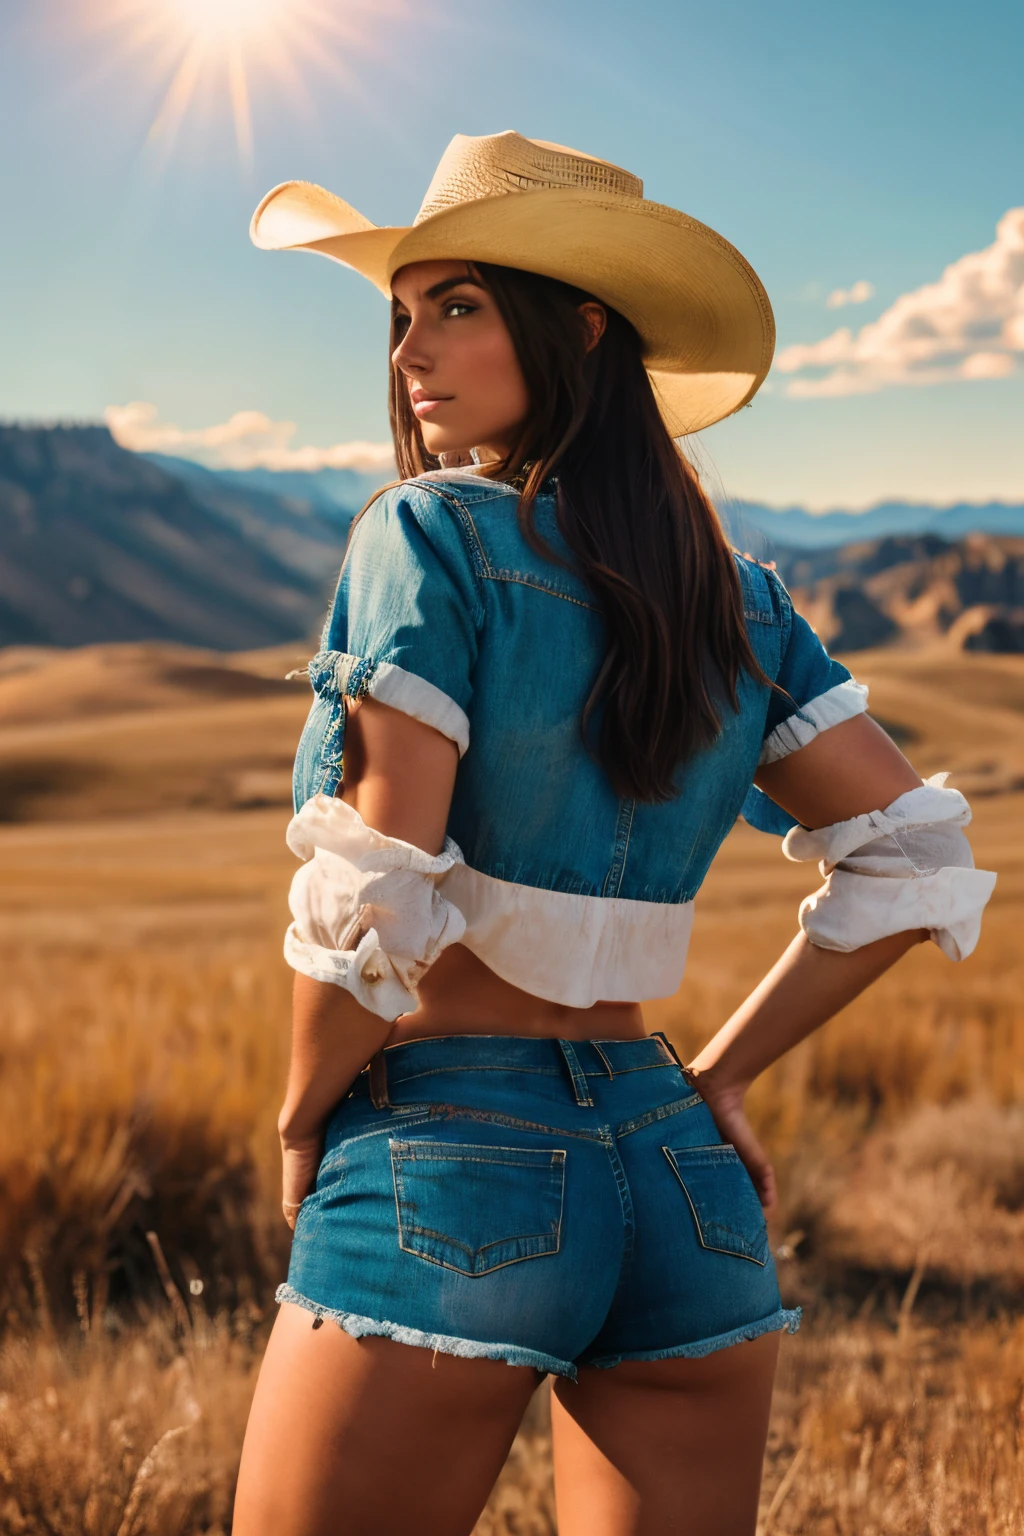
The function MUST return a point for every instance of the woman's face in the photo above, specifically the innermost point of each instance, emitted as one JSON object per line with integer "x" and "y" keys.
{"x": 456, "y": 357}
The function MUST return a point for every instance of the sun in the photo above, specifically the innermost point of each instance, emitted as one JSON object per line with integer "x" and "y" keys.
{"x": 214, "y": 46}
{"x": 230, "y": 21}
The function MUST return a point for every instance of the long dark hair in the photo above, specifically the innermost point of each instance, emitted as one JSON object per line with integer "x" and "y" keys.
{"x": 632, "y": 511}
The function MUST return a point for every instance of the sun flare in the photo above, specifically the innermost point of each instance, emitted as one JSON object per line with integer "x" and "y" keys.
{"x": 215, "y": 47}
{"x": 229, "y": 20}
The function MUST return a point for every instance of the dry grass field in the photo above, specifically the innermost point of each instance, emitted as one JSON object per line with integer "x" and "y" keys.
{"x": 142, "y": 898}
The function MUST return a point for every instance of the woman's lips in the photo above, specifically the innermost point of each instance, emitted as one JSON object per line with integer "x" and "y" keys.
{"x": 424, "y": 407}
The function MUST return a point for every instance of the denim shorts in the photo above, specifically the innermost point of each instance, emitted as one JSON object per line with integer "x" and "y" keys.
{"x": 549, "y": 1203}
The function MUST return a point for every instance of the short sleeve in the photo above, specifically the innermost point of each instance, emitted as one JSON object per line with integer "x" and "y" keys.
{"x": 408, "y": 610}
{"x": 818, "y": 692}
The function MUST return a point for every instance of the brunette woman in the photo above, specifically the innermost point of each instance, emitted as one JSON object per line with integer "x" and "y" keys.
{"x": 546, "y": 689}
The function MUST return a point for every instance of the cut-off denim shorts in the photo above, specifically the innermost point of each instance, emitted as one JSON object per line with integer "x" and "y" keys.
{"x": 549, "y": 1203}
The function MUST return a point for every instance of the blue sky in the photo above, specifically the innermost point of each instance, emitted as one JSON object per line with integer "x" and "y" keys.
{"x": 871, "y": 145}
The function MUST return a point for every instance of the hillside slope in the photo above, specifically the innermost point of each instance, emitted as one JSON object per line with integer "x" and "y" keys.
{"x": 97, "y": 544}
{"x": 912, "y": 591}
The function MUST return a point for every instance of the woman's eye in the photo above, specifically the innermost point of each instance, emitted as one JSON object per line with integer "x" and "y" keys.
{"x": 456, "y": 306}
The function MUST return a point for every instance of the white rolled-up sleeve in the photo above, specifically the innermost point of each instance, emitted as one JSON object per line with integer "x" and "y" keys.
{"x": 367, "y": 914}
{"x": 889, "y": 871}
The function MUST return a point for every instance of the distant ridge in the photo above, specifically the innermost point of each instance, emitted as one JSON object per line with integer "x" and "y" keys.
{"x": 331, "y": 491}
{"x": 98, "y": 544}
{"x": 796, "y": 528}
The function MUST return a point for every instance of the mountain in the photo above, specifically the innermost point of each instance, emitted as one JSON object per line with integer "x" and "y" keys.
{"x": 911, "y": 590}
{"x": 761, "y": 528}
{"x": 99, "y": 544}
{"x": 753, "y": 525}
{"x": 336, "y": 494}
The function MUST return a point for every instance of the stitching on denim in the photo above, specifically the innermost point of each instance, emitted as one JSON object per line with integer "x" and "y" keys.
{"x": 732, "y": 1253}
{"x": 539, "y": 586}
{"x": 604, "y": 1058}
{"x": 652, "y": 1116}
{"x": 648, "y": 1066}
{"x": 443, "y": 1071}
{"x": 628, "y": 1223}
{"x": 494, "y": 1117}
{"x": 552, "y": 1239}
{"x": 480, "y": 1274}
{"x": 458, "y": 1152}
{"x": 613, "y": 879}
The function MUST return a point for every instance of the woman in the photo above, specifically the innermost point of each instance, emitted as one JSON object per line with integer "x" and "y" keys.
{"x": 555, "y": 686}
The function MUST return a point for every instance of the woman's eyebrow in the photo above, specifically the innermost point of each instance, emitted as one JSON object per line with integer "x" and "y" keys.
{"x": 450, "y": 282}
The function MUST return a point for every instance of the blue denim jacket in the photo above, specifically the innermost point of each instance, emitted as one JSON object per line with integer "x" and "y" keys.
{"x": 443, "y": 609}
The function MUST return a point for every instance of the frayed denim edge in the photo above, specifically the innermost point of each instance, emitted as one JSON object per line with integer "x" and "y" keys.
{"x": 441, "y": 1343}
{"x": 786, "y": 1318}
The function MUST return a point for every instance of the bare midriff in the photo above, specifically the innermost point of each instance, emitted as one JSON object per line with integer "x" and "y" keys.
{"x": 460, "y": 995}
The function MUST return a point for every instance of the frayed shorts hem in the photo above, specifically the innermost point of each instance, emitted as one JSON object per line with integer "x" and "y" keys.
{"x": 785, "y": 1318}
{"x": 441, "y": 1343}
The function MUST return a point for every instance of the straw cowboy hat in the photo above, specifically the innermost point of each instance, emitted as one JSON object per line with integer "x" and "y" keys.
{"x": 703, "y": 316}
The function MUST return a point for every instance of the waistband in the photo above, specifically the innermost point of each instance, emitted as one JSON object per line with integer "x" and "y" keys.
{"x": 580, "y": 1059}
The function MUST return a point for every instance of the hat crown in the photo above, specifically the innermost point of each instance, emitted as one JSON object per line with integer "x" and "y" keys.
{"x": 497, "y": 164}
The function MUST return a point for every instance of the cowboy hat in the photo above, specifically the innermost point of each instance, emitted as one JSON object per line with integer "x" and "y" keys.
{"x": 701, "y": 311}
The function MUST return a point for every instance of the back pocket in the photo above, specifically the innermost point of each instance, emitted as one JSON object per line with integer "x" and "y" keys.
{"x": 476, "y": 1209}
{"x": 725, "y": 1207}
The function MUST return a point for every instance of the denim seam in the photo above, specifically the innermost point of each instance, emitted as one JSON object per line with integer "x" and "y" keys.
{"x": 650, "y": 1066}
{"x": 409, "y": 1077}
{"x": 628, "y": 1222}
{"x": 495, "y": 1117}
{"x": 623, "y": 830}
{"x": 409, "y": 1152}
{"x": 539, "y": 586}
{"x": 492, "y": 1269}
{"x": 604, "y": 1058}
{"x": 470, "y": 536}
{"x": 652, "y": 1116}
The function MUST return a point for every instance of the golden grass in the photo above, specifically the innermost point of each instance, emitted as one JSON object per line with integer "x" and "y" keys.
{"x": 142, "y": 1053}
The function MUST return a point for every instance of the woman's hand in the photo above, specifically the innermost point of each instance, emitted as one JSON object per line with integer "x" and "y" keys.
{"x": 726, "y": 1106}
{"x": 300, "y": 1157}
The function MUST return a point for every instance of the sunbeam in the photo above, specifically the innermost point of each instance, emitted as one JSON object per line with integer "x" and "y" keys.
{"x": 218, "y": 46}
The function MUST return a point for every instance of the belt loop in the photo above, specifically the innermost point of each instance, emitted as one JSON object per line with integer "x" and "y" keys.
{"x": 688, "y": 1077}
{"x": 379, "y": 1082}
{"x": 579, "y": 1077}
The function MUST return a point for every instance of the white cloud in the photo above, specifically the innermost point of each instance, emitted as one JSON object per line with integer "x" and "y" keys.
{"x": 247, "y": 440}
{"x": 967, "y": 325}
{"x": 858, "y": 293}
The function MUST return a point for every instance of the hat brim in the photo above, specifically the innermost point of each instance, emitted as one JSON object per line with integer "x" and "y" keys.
{"x": 700, "y": 309}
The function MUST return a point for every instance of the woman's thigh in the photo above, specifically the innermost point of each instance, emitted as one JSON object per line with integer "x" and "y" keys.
{"x": 350, "y": 1436}
{"x": 661, "y": 1446}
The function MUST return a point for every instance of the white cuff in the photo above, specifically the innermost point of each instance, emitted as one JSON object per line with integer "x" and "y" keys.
{"x": 837, "y": 704}
{"x": 367, "y": 912}
{"x": 851, "y": 910}
{"x": 909, "y": 866}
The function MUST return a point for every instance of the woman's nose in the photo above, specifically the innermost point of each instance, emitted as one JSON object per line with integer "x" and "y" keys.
{"x": 409, "y": 356}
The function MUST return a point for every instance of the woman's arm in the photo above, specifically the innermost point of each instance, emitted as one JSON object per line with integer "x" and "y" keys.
{"x": 845, "y": 771}
{"x": 399, "y": 776}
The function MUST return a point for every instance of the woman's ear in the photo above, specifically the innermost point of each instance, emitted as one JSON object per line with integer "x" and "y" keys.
{"x": 594, "y": 319}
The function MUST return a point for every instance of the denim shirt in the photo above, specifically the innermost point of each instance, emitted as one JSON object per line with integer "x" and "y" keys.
{"x": 444, "y": 610}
